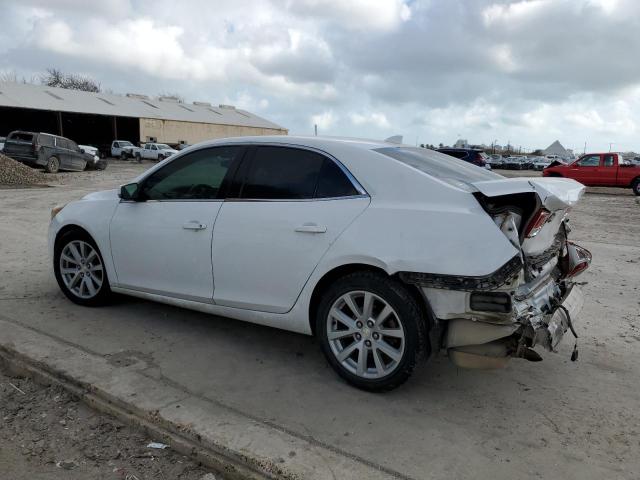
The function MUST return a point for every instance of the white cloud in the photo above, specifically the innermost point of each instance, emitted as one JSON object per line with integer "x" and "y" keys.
{"x": 374, "y": 118}
{"x": 526, "y": 71}
{"x": 324, "y": 120}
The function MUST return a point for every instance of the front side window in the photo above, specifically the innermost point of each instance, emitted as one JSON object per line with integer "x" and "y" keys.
{"x": 589, "y": 161}
{"x": 195, "y": 176}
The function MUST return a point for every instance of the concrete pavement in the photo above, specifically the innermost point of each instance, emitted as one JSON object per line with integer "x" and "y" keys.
{"x": 554, "y": 419}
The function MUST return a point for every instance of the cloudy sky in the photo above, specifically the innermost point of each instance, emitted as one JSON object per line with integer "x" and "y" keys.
{"x": 433, "y": 70}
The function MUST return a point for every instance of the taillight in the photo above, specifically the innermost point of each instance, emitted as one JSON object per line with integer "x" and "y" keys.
{"x": 537, "y": 222}
{"x": 578, "y": 259}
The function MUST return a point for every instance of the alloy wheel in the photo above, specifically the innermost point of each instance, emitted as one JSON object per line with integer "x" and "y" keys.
{"x": 365, "y": 334}
{"x": 81, "y": 269}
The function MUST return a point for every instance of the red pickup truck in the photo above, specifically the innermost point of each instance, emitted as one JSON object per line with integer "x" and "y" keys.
{"x": 599, "y": 169}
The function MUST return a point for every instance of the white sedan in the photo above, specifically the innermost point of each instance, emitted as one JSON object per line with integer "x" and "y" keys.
{"x": 384, "y": 252}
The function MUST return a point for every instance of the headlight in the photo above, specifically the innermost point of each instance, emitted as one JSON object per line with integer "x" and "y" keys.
{"x": 96, "y": 158}
{"x": 56, "y": 210}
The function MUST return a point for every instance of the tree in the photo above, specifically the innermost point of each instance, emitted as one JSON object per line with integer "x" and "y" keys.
{"x": 72, "y": 81}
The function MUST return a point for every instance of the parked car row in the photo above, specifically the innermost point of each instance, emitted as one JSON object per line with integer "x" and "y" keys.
{"x": 51, "y": 152}
{"x": 151, "y": 151}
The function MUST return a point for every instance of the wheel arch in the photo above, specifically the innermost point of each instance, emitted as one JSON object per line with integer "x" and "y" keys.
{"x": 70, "y": 228}
{"x": 346, "y": 269}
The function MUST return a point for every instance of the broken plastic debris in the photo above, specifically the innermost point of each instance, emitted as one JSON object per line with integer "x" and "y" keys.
{"x": 160, "y": 446}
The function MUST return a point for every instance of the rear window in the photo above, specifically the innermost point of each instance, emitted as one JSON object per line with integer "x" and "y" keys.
{"x": 443, "y": 167}
{"x": 20, "y": 137}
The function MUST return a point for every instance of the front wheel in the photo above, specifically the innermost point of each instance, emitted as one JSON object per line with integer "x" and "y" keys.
{"x": 124, "y": 156}
{"x": 138, "y": 158}
{"x": 371, "y": 330}
{"x": 79, "y": 269}
{"x": 635, "y": 186}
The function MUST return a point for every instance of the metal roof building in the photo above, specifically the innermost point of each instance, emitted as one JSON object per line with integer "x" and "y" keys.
{"x": 99, "y": 118}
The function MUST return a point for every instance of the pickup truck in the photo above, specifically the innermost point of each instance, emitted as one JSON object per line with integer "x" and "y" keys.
{"x": 123, "y": 149}
{"x": 599, "y": 169}
{"x": 154, "y": 151}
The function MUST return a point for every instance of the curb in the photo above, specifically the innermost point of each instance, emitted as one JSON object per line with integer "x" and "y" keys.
{"x": 220, "y": 438}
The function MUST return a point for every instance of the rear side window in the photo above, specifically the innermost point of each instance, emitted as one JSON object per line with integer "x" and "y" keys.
{"x": 333, "y": 182}
{"x": 608, "y": 160}
{"x": 282, "y": 173}
{"x": 20, "y": 137}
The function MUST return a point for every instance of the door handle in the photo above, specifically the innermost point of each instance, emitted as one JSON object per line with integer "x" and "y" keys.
{"x": 311, "y": 228}
{"x": 194, "y": 225}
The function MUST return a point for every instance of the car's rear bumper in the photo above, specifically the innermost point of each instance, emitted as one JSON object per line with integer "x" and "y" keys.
{"x": 474, "y": 342}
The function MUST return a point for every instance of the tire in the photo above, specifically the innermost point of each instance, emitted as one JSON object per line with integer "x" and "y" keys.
{"x": 138, "y": 158}
{"x": 398, "y": 340}
{"x": 73, "y": 251}
{"x": 635, "y": 186}
{"x": 53, "y": 165}
{"x": 160, "y": 158}
{"x": 124, "y": 156}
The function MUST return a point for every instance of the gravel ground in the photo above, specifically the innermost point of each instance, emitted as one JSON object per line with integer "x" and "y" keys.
{"x": 14, "y": 173}
{"x": 46, "y": 434}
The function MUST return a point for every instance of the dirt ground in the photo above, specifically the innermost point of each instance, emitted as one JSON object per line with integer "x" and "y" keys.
{"x": 552, "y": 419}
{"x": 48, "y": 434}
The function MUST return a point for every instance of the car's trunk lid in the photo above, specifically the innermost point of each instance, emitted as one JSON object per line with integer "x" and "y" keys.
{"x": 554, "y": 193}
{"x": 535, "y": 207}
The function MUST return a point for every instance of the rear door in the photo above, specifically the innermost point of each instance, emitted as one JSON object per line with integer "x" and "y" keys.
{"x": 287, "y": 206}
{"x": 606, "y": 172}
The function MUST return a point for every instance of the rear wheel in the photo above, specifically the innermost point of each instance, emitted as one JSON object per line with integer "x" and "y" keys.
{"x": 371, "y": 330}
{"x": 636, "y": 186}
{"x": 53, "y": 165}
{"x": 79, "y": 269}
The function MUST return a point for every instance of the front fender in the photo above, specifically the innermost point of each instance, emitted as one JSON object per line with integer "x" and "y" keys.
{"x": 93, "y": 216}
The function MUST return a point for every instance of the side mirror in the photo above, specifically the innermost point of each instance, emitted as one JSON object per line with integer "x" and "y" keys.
{"x": 131, "y": 191}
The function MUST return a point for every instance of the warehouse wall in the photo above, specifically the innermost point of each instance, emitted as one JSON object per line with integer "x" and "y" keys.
{"x": 171, "y": 131}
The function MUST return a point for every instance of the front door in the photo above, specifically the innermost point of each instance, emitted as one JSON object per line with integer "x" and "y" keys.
{"x": 291, "y": 206}
{"x": 585, "y": 170}
{"x": 162, "y": 244}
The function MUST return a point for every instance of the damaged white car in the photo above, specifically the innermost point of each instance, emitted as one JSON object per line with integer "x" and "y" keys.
{"x": 386, "y": 253}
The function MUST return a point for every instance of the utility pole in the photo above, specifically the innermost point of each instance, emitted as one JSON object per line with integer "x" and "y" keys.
{"x": 315, "y": 129}
{"x": 585, "y": 148}
{"x": 610, "y": 143}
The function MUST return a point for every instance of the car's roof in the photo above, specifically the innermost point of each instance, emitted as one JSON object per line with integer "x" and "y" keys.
{"x": 457, "y": 149}
{"x": 308, "y": 141}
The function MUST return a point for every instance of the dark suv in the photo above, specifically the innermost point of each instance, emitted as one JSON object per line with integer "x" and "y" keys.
{"x": 471, "y": 155}
{"x": 50, "y": 152}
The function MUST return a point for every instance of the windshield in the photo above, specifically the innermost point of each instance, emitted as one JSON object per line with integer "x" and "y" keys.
{"x": 126, "y": 144}
{"x": 443, "y": 167}
{"x": 163, "y": 146}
